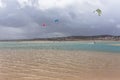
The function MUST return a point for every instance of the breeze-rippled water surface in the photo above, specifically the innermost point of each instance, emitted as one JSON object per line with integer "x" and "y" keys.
{"x": 59, "y": 61}
{"x": 87, "y": 46}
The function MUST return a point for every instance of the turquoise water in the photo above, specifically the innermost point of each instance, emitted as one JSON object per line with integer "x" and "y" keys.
{"x": 99, "y": 46}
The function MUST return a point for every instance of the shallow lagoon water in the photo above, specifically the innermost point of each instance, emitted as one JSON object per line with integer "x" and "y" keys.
{"x": 59, "y": 61}
{"x": 85, "y": 46}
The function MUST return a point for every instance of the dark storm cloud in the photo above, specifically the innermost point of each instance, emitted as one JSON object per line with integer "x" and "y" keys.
{"x": 25, "y": 21}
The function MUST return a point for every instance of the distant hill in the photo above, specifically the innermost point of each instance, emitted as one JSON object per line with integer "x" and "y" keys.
{"x": 72, "y": 38}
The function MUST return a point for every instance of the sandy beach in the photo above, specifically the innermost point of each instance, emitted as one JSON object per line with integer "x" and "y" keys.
{"x": 84, "y": 41}
{"x": 58, "y": 65}
{"x": 115, "y": 44}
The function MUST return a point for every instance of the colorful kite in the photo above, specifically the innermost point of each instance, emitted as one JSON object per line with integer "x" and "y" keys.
{"x": 99, "y": 12}
{"x": 44, "y": 25}
{"x": 56, "y": 20}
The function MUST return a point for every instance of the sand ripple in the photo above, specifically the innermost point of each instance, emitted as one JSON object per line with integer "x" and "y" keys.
{"x": 58, "y": 65}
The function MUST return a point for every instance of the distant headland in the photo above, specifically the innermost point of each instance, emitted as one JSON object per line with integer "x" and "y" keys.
{"x": 73, "y": 38}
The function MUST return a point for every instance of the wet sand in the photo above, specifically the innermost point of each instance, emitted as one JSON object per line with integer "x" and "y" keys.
{"x": 115, "y": 44}
{"x": 58, "y": 65}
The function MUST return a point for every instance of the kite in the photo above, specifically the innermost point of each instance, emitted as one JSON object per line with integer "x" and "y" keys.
{"x": 44, "y": 25}
{"x": 99, "y": 12}
{"x": 56, "y": 20}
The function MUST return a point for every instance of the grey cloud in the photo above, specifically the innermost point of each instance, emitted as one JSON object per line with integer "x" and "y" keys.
{"x": 72, "y": 21}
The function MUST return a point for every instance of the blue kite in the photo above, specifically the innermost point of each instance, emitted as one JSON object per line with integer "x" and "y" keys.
{"x": 56, "y": 20}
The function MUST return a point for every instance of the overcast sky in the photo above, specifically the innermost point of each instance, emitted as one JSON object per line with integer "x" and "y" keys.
{"x": 23, "y": 19}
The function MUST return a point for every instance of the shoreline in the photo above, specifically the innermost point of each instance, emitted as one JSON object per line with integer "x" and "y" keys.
{"x": 115, "y": 45}
{"x": 40, "y": 41}
{"x": 10, "y": 45}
